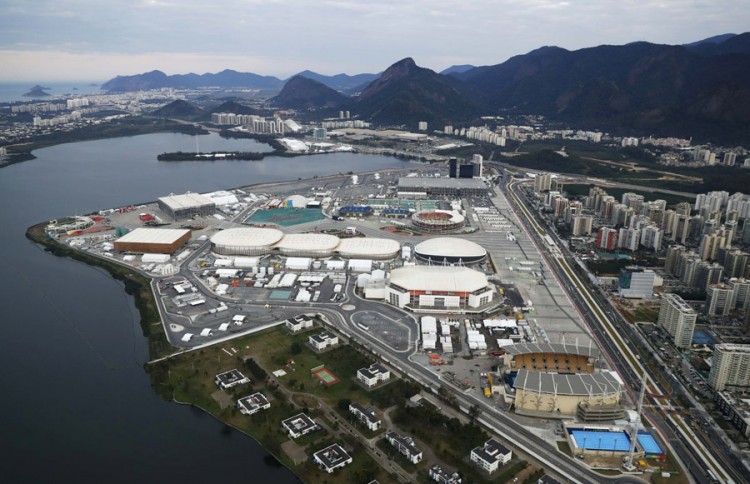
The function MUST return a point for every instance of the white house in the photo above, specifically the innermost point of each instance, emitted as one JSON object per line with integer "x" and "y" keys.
{"x": 491, "y": 456}
{"x": 253, "y": 403}
{"x": 299, "y": 323}
{"x": 299, "y": 425}
{"x": 373, "y": 375}
{"x": 324, "y": 340}
{"x": 331, "y": 458}
{"x": 230, "y": 378}
{"x": 405, "y": 445}
{"x": 366, "y": 415}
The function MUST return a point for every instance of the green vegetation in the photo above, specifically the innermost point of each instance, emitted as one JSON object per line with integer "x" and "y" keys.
{"x": 564, "y": 447}
{"x": 188, "y": 378}
{"x": 579, "y": 190}
{"x": 449, "y": 438}
{"x": 646, "y": 314}
{"x": 130, "y": 126}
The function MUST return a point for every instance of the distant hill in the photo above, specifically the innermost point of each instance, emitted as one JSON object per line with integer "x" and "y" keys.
{"x": 716, "y": 39}
{"x": 178, "y": 109}
{"x": 340, "y": 82}
{"x": 300, "y": 92}
{"x": 407, "y": 93}
{"x": 233, "y": 107}
{"x": 457, "y": 69}
{"x": 157, "y": 79}
{"x": 647, "y": 88}
{"x": 37, "y": 91}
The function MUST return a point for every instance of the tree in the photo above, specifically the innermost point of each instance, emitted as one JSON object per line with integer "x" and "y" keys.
{"x": 296, "y": 348}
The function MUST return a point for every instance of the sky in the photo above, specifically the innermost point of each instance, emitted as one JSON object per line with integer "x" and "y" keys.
{"x": 95, "y": 40}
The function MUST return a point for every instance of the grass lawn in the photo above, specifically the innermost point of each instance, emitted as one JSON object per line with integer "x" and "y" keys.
{"x": 644, "y": 314}
{"x": 564, "y": 447}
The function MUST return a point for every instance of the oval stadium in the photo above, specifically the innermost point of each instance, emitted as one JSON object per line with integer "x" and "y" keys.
{"x": 245, "y": 241}
{"x": 451, "y": 250}
{"x": 438, "y": 221}
{"x": 368, "y": 248}
{"x": 308, "y": 245}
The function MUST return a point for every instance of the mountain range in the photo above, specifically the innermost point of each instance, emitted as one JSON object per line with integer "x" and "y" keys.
{"x": 699, "y": 89}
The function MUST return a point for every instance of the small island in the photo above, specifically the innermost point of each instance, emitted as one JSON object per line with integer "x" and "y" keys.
{"x": 213, "y": 156}
{"x": 37, "y": 91}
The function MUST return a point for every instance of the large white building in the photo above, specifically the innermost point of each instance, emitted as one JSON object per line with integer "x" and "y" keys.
{"x": 542, "y": 182}
{"x": 719, "y": 300}
{"x": 182, "y": 207}
{"x": 262, "y": 241}
{"x": 637, "y": 283}
{"x": 730, "y": 367}
{"x": 438, "y": 287}
{"x": 449, "y": 250}
{"x": 678, "y": 318}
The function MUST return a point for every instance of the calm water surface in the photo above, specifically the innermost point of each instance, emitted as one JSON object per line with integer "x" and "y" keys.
{"x": 77, "y": 404}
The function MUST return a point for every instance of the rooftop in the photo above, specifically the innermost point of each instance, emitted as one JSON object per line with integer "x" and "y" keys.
{"x": 733, "y": 347}
{"x": 559, "y": 348}
{"x": 435, "y": 182}
{"x": 331, "y": 455}
{"x": 247, "y": 237}
{"x": 438, "y": 278}
{"x": 153, "y": 236}
{"x": 603, "y": 383}
{"x": 188, "y": 200}
{"x": 450, "y": 247}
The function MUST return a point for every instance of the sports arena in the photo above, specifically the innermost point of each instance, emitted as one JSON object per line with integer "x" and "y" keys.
{"x": 438, "y": 220}
{"x": 253, "y": 241}
{"x": 554, "y": 357}
{"x": 449, "y": 250}
{"x": 457, "y": 289}
{"x": 589, "y": 396}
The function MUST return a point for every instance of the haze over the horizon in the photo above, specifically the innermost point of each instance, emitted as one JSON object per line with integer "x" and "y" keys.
{"x": 76, "y": 40}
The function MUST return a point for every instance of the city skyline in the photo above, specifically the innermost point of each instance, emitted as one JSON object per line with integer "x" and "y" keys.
{"x": 83, "y": 40}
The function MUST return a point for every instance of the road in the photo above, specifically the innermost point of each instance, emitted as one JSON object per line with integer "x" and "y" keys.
{"x": 654, "y": 411}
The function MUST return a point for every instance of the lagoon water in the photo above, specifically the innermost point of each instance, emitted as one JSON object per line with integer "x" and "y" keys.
{"x": 77, "y": 405}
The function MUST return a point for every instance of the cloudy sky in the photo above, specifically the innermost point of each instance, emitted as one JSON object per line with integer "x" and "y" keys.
{"x": 75, "y": 40}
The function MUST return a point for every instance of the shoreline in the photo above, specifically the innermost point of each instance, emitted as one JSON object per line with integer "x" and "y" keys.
{"x": 138, "y": 286}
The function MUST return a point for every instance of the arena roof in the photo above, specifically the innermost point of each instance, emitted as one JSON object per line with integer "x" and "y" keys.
{"x": 188, "y": 200}
{"x": 308, "y": 242}
{"x": 247, "y": 237}
{"x": 153, "y": 236}
{"x": 438, "y": 278}
{"x": 368, "y": 246}
{"x": 559, "y": 348}
{"x": 437, "y": 182}
{"x": 604, "y": 383}
{"x": 295, "y": 201}
{"x": 450, "y": 247}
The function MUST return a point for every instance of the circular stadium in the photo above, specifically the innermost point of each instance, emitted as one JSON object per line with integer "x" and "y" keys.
{"x": 368, "y": 248}
{"x": 245, "y": 241}
{"x": 450, "y": 250}
{"x": 308, "y": 245}
{"x": 438, "y": 220}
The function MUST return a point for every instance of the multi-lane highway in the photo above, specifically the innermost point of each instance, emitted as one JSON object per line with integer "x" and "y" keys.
{"x": 600, "y": 316}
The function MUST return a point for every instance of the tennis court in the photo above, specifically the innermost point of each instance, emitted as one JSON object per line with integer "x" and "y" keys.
{"x": 325, "y": 376}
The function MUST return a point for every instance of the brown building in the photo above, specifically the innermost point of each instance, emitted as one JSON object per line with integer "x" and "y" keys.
{"x": 153, "y": 241}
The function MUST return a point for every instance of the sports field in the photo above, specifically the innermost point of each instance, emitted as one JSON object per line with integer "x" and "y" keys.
{"x": 325, "y": 376}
